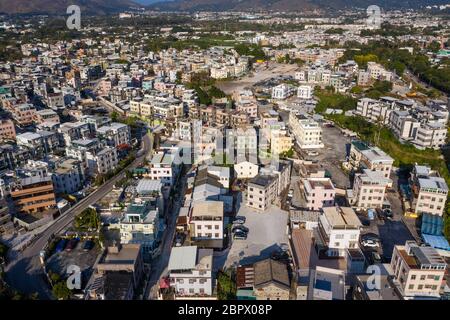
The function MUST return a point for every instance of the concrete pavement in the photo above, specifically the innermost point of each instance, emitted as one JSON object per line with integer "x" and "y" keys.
{"x": 24, "y": 272}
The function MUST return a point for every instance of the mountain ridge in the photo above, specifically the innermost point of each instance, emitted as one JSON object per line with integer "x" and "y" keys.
{"x": 287, "y": 5}
{"x": 60, "y": 6}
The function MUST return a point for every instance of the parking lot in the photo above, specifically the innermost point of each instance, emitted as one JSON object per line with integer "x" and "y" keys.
{"x": 60, "y": 261}
{"x": 391, "y": 232}
{"x": 267, "y": 230}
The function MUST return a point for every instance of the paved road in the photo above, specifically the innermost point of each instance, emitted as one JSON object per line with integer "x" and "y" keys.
{"x": 24, "y": 272}
{"x": 159, "y": 265}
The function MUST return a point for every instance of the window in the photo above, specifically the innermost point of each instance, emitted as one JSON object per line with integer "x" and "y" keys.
{"x": 413, "y": 277}
{"x": 422, "y": 277}
{"x": 411, "y": 287}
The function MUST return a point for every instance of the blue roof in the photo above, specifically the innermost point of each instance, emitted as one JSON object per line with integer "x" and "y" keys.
{"x": 437, "y": 242}
{"x": 323, "y": 285}
{"x": 432, "y": 225}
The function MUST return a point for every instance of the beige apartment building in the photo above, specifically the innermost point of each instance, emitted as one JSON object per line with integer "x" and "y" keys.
{"x": 7, "y": 130}
{"x": 206, "y": 220}
{"x": 307, "y": 132}
{"x": 369, "y": 189}
{"x": 262, "y": 192}
{"x": 418, "y": 271}
{"x": 429, "y": 191}
{"x": 280, "y": 141}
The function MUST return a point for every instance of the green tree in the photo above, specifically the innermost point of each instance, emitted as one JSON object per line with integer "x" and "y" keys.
{"x": 61, "y": 291}
{"x": 226, "y": 286}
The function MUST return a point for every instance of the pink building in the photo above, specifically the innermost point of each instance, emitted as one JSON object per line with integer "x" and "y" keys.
{"x": 319, "y": 193}
{"x": 7, "y": 130}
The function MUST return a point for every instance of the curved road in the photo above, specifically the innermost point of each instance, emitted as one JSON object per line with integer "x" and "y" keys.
{"x": 24, "y": 272}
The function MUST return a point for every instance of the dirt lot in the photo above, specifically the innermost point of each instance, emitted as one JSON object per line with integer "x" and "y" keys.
{"x": 261, "y": 73}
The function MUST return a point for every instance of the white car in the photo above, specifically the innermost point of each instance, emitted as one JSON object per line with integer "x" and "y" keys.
{"x": 370, "y": 243}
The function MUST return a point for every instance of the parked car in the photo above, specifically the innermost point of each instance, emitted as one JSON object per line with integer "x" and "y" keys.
{"x": 312, "y": 153}
{"x": 388, "y": 213}
{"x": 370, "y": 236}
{"x": 72, "y": 244}
{"x": 61, "y": 245}
{"x": 179, "y": 239}
{"x": 284, "y": 247}
{"x": 370, "y": 243}
{"x": 291, "y": 193}
{"x": 380, "y": 214}
{"x": 88, "y": 245}
{"x": 240, "y": 228}
{"x": 239, "y": 236}
{"x": 239, "y": 220}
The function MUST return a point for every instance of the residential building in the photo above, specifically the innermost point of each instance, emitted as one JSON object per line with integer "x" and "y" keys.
{"x": 326, "y": 284}
{"x": 319, "y": 193}
{"x": 163, "y": 167}
{"x": 33, "y": 194}
{"x": 369, "y": 189}
{"x": 246, "y": 170}
{"x": 430, "y": 135}
{"x": 190, "y": 271}
{"x": 105, "y": 160}
{"x": 206, "y": 220}
{"x": 271, "y": 280}
{"x": 68, "y": 177}
{"x": 338, "y": 230}
{"x": 124, "y": 258}
{"x": 304, "y": 92}
{"x": 222, "y": 174}
{"x": 307, "y": 132}
{"x": 115, "y": 134}
{"x": 262, "y": 191}
{"x": 418, "y": 270}
{"x": 429, "y": 191}
{"x": 140, "y": 224}
{"x": 280, "y": 141}
{"x": 282, "y": 91}
{"x": 7, "y": 130}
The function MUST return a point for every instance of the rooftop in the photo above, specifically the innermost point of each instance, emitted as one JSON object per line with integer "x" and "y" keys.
{"x": 327, "y": 284}
{"x": 262, "y": 180}
{"x": 341, "y": 217}
{"x": 271, "y": 271}
{"x": 208, "y": 208}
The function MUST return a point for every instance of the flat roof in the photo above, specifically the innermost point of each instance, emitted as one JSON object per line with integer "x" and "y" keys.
{"x": 148, "y": 186}
{"x": 208, "y": 208}
{"x": 182, "y": 258}
{"x": 433, "y": 183}
{"x": 341, "y": 216}
{"x": 127, "y": 253}
{"x": 328, "y": 284}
